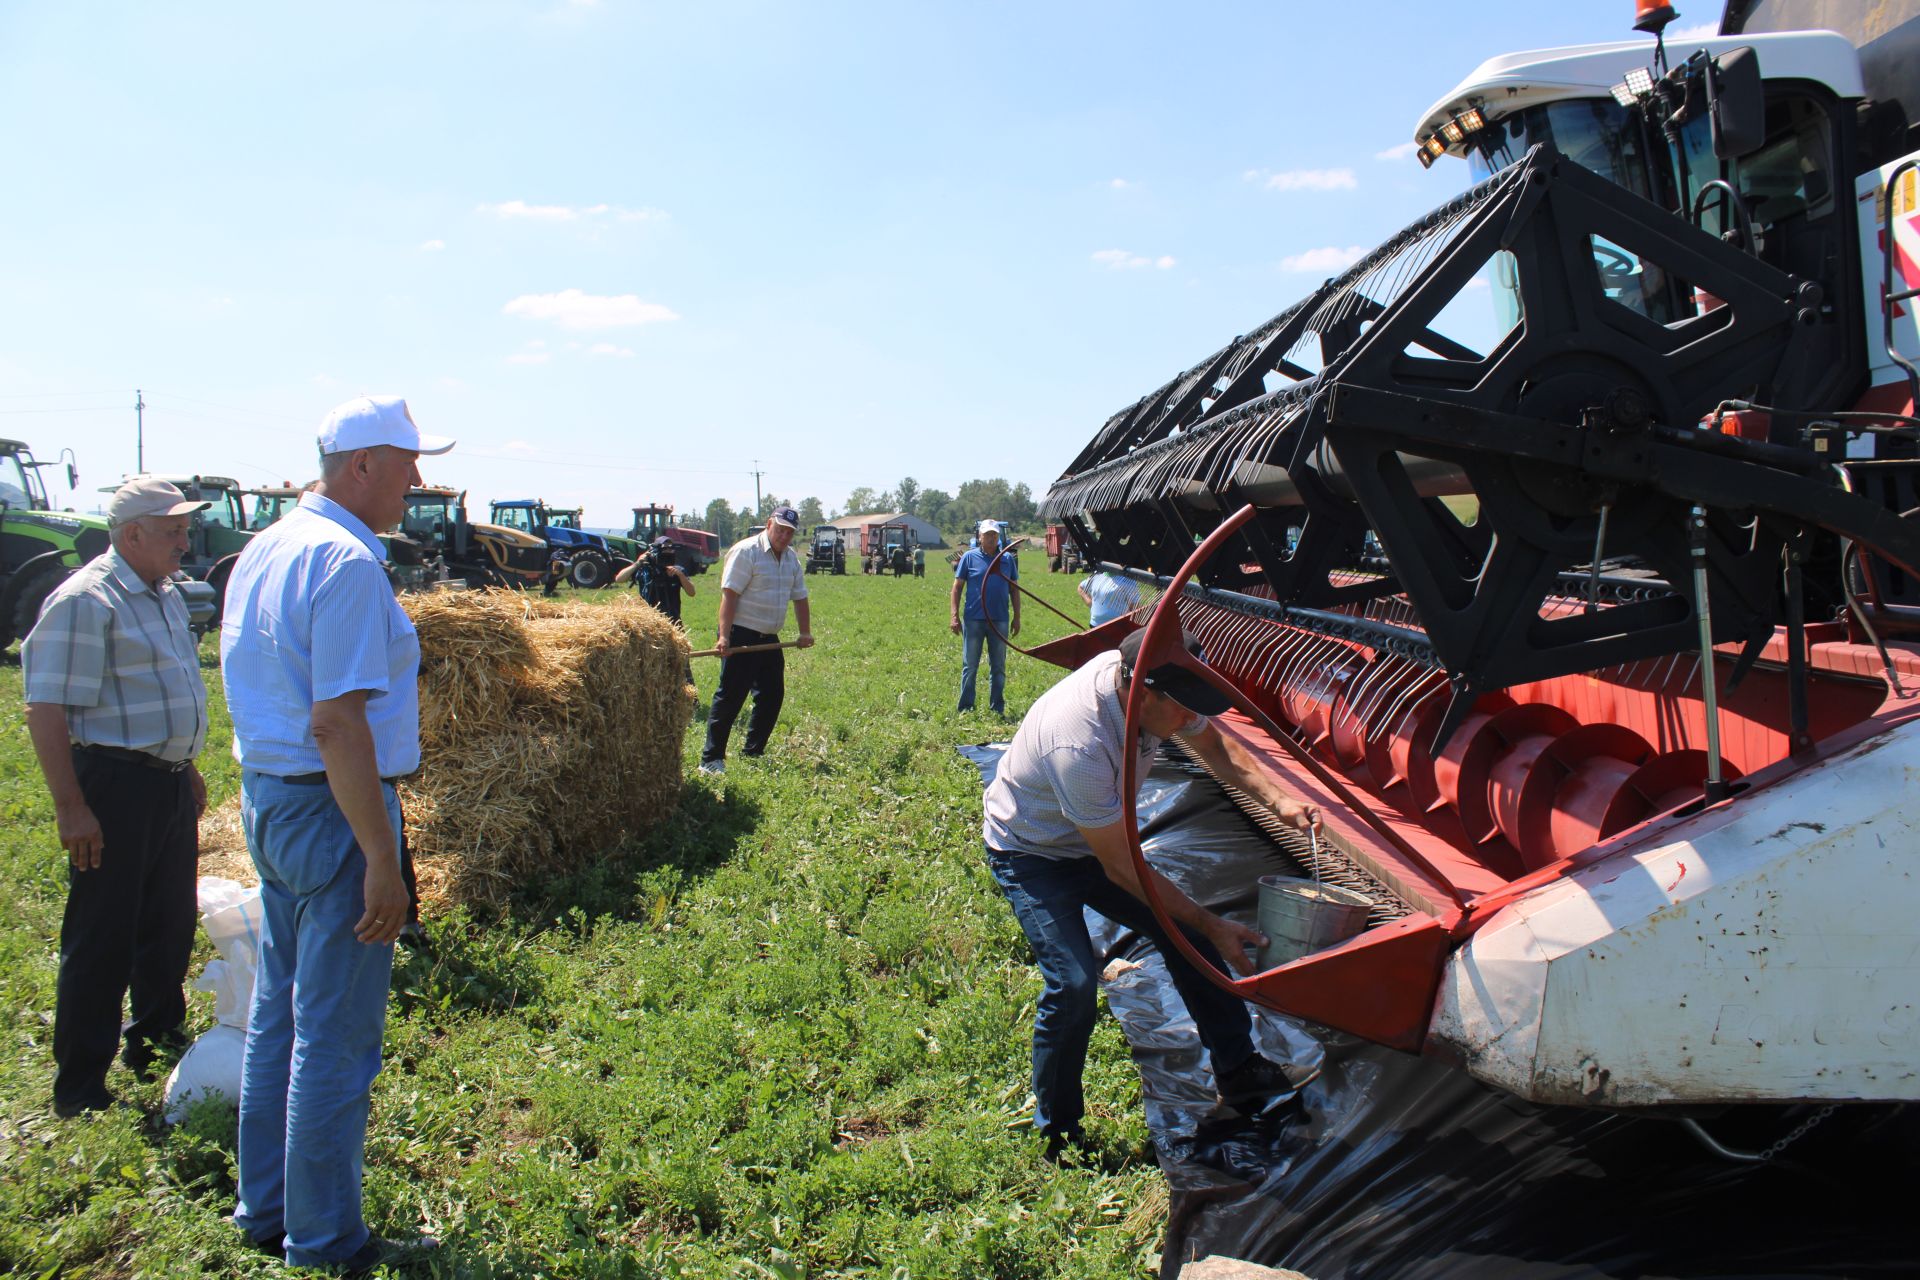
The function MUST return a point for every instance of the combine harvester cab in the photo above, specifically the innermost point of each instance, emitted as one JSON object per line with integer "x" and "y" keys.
{"x": 1592, "y": 631}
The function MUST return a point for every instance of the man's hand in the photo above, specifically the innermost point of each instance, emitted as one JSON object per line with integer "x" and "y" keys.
{"x": 806, "y": 640}
{"x": 1232, "y": 941}
{"x": 720, "y": 645}
{"x": 79, "y": 835}
{"x": 953, "y": 624}
{"x": 1014, "y": 630}
{"x": 386, "y": 895}
{"x": 197, "y": 785}
{"x": 1301, "y": 817}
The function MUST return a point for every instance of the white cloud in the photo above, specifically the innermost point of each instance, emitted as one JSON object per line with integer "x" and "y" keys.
{"x": 1120, "y": 184}
{"x": 433, "y": 246}
{"x": 608, "y": 349}
{"x": 1693, "y": 31}
{"x": 576, "y": 310}
{"x": 1304, "y": 179}
{"x": 1331, "y": 258}
{"x": 534, "y": 352}
{"x": 1405, "y": 151}
{"x": 1479, "y": 282}
{"x": 520, "y": 209}
{"x": 1121, "y": 260}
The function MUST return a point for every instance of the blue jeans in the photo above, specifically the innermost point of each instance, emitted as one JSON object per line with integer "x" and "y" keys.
{"x": 319, "y": 1012}
{"x": 976, "y": 633}
{"x": 1048, "y": 896}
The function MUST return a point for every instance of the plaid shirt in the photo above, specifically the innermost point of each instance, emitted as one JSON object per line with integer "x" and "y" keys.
{"x": 117, "y": 654}
{"x": 766, "y": 583}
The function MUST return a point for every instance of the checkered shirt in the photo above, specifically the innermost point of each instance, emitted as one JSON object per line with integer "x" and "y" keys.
{"x": 117, "y": 654}
{"x": 766, "y": 583}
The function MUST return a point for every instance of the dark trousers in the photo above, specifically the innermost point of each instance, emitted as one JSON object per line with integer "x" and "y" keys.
{"x": 762, "y": 674}
{"x": 128, "y": 926}
{"x": 1048, "y": 896}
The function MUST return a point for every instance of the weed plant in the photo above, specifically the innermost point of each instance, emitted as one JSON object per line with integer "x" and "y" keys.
{"x": 785, "y": 1036}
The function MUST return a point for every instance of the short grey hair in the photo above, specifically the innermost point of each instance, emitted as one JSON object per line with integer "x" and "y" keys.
{"x": 116, "y": 533}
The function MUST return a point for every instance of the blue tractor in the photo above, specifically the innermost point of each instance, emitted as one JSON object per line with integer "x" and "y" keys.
{"x": 588, "y": 559}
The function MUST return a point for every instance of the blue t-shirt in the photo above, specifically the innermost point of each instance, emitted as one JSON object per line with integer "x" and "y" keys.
{"x": 972, "y": 569}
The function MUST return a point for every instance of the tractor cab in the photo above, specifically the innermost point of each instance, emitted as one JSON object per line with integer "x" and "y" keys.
{"x": 588, "y": 559}
{"x": 216, "y": 533}
{"x": 21, "y": 488}
{"x": 827, "y": 550}
{"x": 269, "y": 504}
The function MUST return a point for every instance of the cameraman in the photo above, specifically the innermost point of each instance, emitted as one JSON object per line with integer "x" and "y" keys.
{"x": 659, "y": 579}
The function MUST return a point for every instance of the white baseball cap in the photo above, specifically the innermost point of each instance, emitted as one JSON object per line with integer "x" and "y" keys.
{"x": 988, "y": 526}
{"x": 370, "y": 421}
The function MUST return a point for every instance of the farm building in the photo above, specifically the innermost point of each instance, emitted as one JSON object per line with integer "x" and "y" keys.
{"x": 928, "y": 535}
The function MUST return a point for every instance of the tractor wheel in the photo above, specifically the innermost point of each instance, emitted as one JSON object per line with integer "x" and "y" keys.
{"x": 26, "y": 605}
{"x": 590, "y": 569}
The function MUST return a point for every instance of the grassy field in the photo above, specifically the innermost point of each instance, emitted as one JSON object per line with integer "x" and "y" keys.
{"x": 786, "y": 1037}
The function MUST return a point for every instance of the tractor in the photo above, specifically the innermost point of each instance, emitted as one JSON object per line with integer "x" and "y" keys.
{"x": 481, "y": 555}
{"x": 695, "y": 549}
{"x": 39, "y": 546}
{"x": 889, "y": 548}
{"x": 827, "y": 553}
{"x": 590, "y": 562}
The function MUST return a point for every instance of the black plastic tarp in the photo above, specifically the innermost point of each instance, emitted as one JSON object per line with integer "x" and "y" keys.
{"x": 1388, "y": 1164}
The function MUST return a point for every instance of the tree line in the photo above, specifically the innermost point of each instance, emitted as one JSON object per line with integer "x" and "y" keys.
{"x": 975, "y": 501}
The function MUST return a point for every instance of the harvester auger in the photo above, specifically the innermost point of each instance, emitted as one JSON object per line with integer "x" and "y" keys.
{"x": 1642, "y": 659}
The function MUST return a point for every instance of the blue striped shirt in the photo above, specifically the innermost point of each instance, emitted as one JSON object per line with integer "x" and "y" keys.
{"x": 310, "y": 616}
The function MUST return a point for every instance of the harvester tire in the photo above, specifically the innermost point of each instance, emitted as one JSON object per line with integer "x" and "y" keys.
{"x": 590, "y": 569}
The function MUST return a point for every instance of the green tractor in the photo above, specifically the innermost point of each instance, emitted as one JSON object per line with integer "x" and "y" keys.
{"x": 39, "y": 546}
{"x": 215, "y": 536}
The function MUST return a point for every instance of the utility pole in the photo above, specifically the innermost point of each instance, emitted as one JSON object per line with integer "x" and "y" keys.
{"x": 139, "y": 433}
{"x": 756, "y": 487}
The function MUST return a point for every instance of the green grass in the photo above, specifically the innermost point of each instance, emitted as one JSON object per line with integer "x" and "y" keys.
{"x": 786, "y": 1036}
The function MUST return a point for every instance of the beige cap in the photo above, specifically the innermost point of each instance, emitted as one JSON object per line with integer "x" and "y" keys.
{"x": 149, "y": 496}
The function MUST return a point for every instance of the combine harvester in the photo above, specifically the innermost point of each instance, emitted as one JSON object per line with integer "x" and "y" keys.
{"x": 1597, "y": 641}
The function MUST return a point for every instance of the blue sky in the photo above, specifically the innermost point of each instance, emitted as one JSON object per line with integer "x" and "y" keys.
{"x": 629, "y": 252}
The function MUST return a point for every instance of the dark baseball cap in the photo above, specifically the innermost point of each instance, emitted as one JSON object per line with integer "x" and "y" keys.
{"x": 1180, "y": 683}
{"x": 786, "y": 516}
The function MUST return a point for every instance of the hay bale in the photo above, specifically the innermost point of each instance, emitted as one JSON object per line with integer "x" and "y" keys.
{"x": 549, "y": 731}
{"x": 223, "y": 844}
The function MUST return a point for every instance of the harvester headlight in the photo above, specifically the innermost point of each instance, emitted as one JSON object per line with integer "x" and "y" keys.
{"x": 1640, "y": 81}
{"x": 1471, "y": 120}
{"x": 1623, "y": 95}
{"x": 1453, "y": 131}
{"x": 1435, "y": 148}
{"x": 1426, "y": 160}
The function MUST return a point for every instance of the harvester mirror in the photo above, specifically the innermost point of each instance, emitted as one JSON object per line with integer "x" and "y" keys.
{"x": 73, "y": 477}
{"x": 1738, "y": 113}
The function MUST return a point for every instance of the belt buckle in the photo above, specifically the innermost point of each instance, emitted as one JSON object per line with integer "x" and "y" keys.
{"x": 178, "y": 766}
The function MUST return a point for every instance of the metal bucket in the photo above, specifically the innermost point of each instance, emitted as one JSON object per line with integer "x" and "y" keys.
{"x": 1301, "y": 916}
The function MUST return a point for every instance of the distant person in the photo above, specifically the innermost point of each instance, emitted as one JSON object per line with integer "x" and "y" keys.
{"x": 321, "y": 666}
{"x": 1110, "y": 595}
{"x": 762, "y": 574}
{"x": 117, "y": 712}
{"x": 659, "y": 578}
{"x": 1056, "y": 846}
{"x": 985, "y": 610}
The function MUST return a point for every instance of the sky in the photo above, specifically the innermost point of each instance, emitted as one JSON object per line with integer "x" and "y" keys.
{"x": 633, "y": 252}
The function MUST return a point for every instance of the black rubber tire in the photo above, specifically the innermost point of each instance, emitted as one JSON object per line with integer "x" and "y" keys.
{"x": 590, "y": 570}
{"x": 26, "y": 605}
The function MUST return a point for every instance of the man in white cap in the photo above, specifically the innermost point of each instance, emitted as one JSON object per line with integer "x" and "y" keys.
{"x": 762, "y": 574}
{"x": 321, "y": 667}
{"x": 985, "y": 610}
{"x": 117, "y": 712}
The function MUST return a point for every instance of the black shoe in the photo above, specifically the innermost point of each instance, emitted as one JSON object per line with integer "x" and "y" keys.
{"x": 102, "y": 1101}
{"x": 380, "y": 1252}
{"x": 152, "y": 1059}
{"x": 1256, "y": 1083}
{"x": 274, "y": 1246}
{"x": 1068, "y": 1147}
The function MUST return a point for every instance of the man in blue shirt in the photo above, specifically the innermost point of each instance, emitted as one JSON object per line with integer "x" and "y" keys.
{"x": 321, "y": 667}
{"x": 984, "y": 577}
{"x": 1110, "y": 595}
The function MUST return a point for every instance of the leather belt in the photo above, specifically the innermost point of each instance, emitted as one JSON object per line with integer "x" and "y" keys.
{"x": 126, "y": 756}
{"x": 320, "y": 778}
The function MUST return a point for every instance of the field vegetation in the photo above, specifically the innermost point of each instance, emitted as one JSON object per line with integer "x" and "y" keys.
{"x": 785, "y": 1037}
